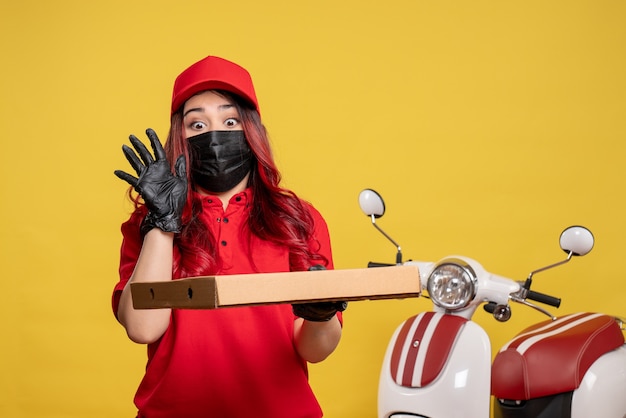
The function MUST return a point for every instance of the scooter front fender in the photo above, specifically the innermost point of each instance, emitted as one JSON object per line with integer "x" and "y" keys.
{"x": 460, "y": 389}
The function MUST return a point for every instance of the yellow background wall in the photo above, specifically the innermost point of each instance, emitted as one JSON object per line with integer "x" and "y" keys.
{"x": 487, "y": 125}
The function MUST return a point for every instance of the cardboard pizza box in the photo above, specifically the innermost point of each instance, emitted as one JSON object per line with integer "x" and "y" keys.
{"x": 210, "y": 292}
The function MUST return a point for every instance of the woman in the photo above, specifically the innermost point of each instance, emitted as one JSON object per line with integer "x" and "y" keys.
{"x": 209, "y": 203}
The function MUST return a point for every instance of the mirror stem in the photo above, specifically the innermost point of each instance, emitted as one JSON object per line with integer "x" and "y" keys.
{"x": 399, "y": 254}
{"x": 530, "y": 276}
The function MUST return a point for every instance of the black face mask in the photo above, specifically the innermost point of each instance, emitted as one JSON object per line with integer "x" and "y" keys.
{"x": 219, "y": 159}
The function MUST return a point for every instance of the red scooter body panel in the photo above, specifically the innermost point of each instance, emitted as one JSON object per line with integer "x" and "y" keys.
{"x": 405, "y": 367}
{"x": 553, "y": 356}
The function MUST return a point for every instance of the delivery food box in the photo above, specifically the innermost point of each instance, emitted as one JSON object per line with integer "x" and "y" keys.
{"x": 210, "y": 292}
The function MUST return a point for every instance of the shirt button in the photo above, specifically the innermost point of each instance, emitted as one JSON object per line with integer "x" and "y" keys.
{"x": 238, "y": 199}
{"x": 225, "y": 220}
{"x": 224, "y": 243}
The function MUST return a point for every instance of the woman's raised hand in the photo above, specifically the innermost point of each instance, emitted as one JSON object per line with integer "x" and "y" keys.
{"x": 163, "y": 192}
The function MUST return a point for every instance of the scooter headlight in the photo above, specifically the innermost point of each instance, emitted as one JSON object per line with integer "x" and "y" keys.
{"x": 452, "y": 284}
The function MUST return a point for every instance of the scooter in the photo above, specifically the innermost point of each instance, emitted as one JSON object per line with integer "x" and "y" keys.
{"x": 438, "y": 364}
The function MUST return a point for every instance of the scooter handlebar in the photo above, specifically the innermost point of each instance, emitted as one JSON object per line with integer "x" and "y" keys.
{"x": 376, "y": 264}
{"x": 543, "y": 298}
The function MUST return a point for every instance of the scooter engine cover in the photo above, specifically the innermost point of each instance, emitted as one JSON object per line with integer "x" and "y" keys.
{"x": 422, "y": 347}
{"x": 552, "y": 356}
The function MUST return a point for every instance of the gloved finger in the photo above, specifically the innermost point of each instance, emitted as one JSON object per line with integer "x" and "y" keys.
{"x": 341, "y": 305}
{"x": 133, "y": 159}
{"x": 126, "y": 177}
{"x": 143, "y": 152}
{"x": 317, "y": 267}
{"x": 159, "y": 152}
{"x": 181, "y": 167}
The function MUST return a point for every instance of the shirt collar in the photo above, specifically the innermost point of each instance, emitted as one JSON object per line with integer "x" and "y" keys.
{"x": 243, "y": 198}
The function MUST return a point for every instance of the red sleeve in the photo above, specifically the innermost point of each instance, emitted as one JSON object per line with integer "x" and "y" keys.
{"x": 129, "y": 253}
{"x": 321, "y": 237}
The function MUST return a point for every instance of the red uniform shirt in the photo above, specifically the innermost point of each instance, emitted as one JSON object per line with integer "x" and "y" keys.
{"x": 228, "y": 362}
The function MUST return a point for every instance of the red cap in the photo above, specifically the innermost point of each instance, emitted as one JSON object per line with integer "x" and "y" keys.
{"x": 213, "y": 73}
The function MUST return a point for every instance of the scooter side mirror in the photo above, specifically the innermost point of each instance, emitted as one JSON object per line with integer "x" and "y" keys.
{"x": 373, "y": 206}
{"x": 576, "y": 240}
{"x": 371, "y": 203}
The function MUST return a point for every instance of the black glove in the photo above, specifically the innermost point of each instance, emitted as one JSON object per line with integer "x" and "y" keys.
{"x": 164, "y": 193}
{"x": 318, "y": 311}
